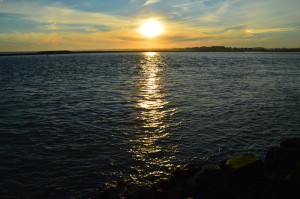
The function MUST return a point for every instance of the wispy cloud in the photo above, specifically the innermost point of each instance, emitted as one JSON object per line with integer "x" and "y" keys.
{"x": 148, "y": 2}
{"x": 186, "y": 4}
{"x": 185, "y": 39}
{"x": 270, "y": 30}
{"x": 61, "y": 15}
{"x": 61, "y": 40}
{"x": 74, "y": 28}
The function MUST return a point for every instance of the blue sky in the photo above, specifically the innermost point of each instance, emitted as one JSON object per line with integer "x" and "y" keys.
{"x": 113, "y": 24}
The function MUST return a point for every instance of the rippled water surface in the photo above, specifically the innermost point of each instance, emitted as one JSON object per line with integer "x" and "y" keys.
{"x": 70, "y": 123}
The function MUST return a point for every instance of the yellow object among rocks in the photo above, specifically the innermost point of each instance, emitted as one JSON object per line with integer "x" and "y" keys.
{"x": 240, "y": 161}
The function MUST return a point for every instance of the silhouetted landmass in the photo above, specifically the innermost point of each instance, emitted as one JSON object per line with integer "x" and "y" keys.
{"x": 55, "y": 52}
{"x": 189, "y": 49}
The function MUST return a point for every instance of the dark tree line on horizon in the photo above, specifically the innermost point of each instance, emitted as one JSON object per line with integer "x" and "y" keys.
{"x": 188, "y": 49}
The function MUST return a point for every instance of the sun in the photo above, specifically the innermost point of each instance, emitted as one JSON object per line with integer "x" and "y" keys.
{"x": 151, "y": 28}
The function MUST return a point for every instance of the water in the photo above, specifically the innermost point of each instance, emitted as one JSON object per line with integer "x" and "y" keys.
{"x": 70, "y": 123}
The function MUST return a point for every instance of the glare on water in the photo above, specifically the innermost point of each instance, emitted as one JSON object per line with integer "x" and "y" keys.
{"x": 152, "y": 114}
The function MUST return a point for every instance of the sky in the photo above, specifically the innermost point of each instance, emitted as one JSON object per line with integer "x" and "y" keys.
{"x": 36, "y": 25}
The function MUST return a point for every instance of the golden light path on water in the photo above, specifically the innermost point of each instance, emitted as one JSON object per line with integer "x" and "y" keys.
{"x": 151, "y": 148}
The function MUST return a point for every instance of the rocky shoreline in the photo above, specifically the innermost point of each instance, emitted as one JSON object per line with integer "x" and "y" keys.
{"x": 242, "y": 177}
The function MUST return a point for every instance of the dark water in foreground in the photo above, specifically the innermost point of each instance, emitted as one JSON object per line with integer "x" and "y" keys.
{"x": 71, "y": 122}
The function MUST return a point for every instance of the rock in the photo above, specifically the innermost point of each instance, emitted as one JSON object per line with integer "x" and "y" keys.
{"x": 217, "y": 183}
{"x": 187, "y": 173}
{"x": 279, "y": 158}
{"x": 182, "y": 184}
{"x": 286, "y": 184}
{"x": 107, "y": 194}
{"x": 293, "y": 143}
{"x": 212, "y": 184}
{"x": 243, "y": 166}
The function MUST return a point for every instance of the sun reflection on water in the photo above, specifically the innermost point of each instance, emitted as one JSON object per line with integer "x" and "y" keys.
{"x": 151, "y": 148}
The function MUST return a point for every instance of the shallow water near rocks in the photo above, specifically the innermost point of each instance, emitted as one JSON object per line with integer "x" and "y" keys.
{"x": 70, "y": 123}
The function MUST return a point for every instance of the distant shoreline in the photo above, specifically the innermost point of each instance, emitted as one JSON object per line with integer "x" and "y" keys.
{"x": 193, "y": 49}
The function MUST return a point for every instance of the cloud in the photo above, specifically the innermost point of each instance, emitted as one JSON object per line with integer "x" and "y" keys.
{"x": 61, "y": 40}
{"x": 209, "y": 18}
{"x": 185, "y": 4}
{"x": 61, "y": 15}
{"x": 74, "y": 28}
{"x": 184, "y": 39}
{"x": 270, "y": 30}
{"x": 148, "y": 2}
{"x": 239, "y": 27}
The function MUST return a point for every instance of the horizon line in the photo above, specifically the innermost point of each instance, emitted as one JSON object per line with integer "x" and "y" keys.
{"x": 184, "y": 49}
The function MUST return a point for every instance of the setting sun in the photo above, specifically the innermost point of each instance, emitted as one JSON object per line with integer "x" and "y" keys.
{"x": 151, "y": 28}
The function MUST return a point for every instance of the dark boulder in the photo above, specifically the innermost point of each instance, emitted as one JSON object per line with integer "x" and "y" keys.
{"x": 280, "y": 158}
{"x": 213, "y": 184}
{"x": 282, "y": 166}
{"x": 293, "y": 143}
{"x": 217, "y": 183}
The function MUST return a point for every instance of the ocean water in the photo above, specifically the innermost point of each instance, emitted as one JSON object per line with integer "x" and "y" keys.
{"x": 69, "y": 123}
